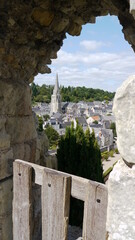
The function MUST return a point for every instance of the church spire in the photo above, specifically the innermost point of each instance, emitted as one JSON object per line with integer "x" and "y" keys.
{"x": 56, "y": 87}
{"x": 56, "y": 98}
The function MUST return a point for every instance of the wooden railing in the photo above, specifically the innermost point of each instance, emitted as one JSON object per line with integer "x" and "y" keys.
{"x": 56, "y": 190}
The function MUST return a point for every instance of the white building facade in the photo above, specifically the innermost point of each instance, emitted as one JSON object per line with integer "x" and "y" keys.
{"x": 56, "y": 99}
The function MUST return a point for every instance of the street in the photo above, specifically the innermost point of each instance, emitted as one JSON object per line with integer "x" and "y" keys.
{"x": 111, "y": 160}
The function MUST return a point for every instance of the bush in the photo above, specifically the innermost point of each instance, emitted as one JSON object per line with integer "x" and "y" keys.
{"x": 111, "y": 153}
{"x": 116, "y": 151}
{"x": 105, "y": 155}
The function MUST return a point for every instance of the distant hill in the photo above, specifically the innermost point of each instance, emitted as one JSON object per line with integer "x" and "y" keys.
{"x": 70, "y": 94}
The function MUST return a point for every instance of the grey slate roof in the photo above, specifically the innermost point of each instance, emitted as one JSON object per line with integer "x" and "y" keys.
{"x": 81, "y": 120}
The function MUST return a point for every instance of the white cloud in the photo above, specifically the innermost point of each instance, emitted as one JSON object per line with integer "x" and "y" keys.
{"x": 98, "y": 70}
{"x": 91, "y": 45}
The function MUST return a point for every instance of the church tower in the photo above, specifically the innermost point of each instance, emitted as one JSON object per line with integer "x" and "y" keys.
{"x": 56, "y": 98}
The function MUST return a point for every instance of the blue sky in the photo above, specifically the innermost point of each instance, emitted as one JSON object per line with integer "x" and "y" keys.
{"x": 98, "y": 58}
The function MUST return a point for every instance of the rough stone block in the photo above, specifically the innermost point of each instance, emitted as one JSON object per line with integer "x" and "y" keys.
{"x": 123, "y": 108}
{"x": 15, "y": 99}
{"x": 6, "y": 194}
{"x": 6, "y": 161}
{"x": 4, "y": 141}
{"x": 74, "y": 29}
{"x": 121, "y": 203}
{"x": 18, "y": 151}
{"x": 4, "y": 137}
{"x": 60, "y": 24}
{"x": 132, "y": 7}
{"x": 2, "y": 123}
{"x": 21, "y": 129}
{"x": 25, "y": 151}
{"x": 42, "y": 16}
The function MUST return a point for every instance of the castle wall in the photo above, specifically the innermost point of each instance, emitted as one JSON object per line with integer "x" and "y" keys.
{"x": 121, "y": 184}
{"x": 31, "y": 34}
{"x": 17, "y": 140}
{"x": 121, "y": 202}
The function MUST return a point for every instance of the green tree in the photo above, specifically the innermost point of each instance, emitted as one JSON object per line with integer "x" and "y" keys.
{"x": 113, "y": 127}
{"x": 52, "y": 135}
{"x": 40, "y": 124}
{"x": 34, "y": 89}
{"x": 46, "y": 117}
{"x": 69, "y": 94}
{"x": 39, "y": 98}
{"x": 78, "y": 153}
{"x": 96, "y": 122}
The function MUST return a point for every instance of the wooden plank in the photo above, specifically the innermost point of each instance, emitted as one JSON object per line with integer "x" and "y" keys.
{"x": 56, "y": 188}
{"x": 22, "y": 199}
{"x": 79, "y": 184}
{"x": 95, "y": 211}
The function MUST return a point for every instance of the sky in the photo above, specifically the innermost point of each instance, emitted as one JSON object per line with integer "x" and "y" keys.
{"x": 98, "y": 58}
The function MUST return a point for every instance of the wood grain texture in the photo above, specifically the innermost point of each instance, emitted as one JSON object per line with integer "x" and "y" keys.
{"x": 95, "y": 212}
{"x": 78, "y": 186}
{"x": 56, "y": 190}
{"x": 22, "y": 199}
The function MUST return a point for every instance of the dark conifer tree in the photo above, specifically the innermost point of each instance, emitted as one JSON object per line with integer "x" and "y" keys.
{"x": 78, "y": 153}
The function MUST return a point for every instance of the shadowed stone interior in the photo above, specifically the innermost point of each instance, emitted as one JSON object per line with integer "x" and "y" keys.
{"x": 31, "y": 33}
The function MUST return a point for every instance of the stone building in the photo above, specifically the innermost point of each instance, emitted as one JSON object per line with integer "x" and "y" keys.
{"x": 56, "y": 98}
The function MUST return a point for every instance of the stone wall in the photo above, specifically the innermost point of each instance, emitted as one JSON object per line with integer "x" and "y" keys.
{"x": 121, "y": 203}
{"x": 18, "y": 140}
{"x": 31, "y": 33}
{"x": 121, "y": 184}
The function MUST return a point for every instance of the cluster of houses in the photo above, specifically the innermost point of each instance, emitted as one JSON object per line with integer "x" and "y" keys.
{"x": 95, "y": 115}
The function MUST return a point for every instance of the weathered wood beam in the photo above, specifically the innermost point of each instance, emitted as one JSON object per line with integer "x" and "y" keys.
{"x": 95, "y": 212}
{"x": 22, "y": 201}
{"x": 78, "y": 186}
{"x": 56, "y": 191}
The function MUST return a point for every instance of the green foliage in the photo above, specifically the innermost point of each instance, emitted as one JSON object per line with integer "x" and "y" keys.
{"x": 40, "y": 124}
{"x": 113, "y": 127}
{"x": 76, "y": 94}
{"x": 96, "y": 122}
{"x": 111, "y": 153}
{"x": 41, "y": 94}
{"x": 116, "y": 151}
{"x": 70, "y": 94}
{"x": 107, "y": 171}
{"x": 34, "y": 89}
{"x": 105, "y": 155}
{"x": 46, "y": 117}
{"x": 52, "y": 135}
{"x": 78, "y": 153}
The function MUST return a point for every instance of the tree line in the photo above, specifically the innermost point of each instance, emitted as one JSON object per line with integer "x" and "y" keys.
{"x": 69, "y": 94}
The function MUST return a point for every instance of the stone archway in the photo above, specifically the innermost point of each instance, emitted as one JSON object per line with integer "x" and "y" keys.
{"x": 31, "y": 33}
